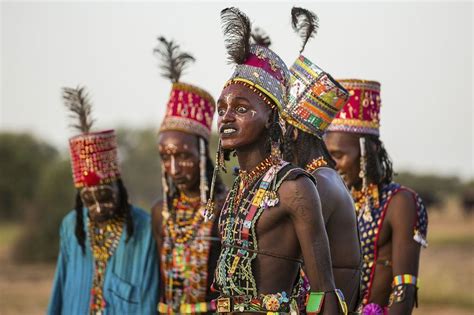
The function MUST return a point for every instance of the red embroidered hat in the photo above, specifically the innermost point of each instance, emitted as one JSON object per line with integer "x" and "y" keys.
{"x": 362, "y": 113}
{"x": 190, "y": 109}
{"x": 94, "y": 158}
{"x": 93, "y": 154}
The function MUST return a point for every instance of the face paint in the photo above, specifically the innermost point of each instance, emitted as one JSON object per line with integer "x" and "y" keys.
{"x": 253, "y": 112}
{"x": 101, "y": 200}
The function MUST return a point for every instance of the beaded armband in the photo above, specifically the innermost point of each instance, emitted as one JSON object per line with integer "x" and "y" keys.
{"x": 315, "y": 301}
{"x": 399, "y": 286}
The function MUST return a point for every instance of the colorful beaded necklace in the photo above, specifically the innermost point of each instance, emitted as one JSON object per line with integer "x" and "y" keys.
{"x": 237, "y": 227}
{"x": 315, "y": 164}
{"x": 104, "y": 240}
{"x": 185, "y": 254}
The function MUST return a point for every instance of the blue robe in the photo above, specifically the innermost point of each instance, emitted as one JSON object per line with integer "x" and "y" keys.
{"x": 131, "y": 278}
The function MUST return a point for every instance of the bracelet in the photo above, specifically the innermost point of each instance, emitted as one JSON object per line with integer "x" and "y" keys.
{"x": 315, "y": 301}
{"x": 405, "y": 279}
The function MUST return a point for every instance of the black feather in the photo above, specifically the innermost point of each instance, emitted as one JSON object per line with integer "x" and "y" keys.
{"x": 237, "y": 29}
{"x": 259, "y": 37}
{"x": 305, "y": 23}
{"x": 174, "y": 61}
{"x": 77, "y": 101}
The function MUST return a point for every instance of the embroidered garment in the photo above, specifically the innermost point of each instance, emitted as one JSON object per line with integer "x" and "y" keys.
{"x": 370, "y": 230}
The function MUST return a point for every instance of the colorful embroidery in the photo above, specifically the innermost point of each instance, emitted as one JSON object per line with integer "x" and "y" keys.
{"x": 369, "y": 232}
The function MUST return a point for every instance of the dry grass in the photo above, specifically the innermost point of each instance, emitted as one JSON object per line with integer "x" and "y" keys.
{"x": 446, "y": 272}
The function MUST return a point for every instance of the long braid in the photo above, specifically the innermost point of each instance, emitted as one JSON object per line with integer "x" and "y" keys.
{"x": 299, "y": 148}
{"x": 125, "y": 208}
{"x": 79, "y": 230}
{"x": 379, "y": 164}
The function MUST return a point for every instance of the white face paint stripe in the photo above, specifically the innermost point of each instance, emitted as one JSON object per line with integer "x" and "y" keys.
{"x": 253, "y": 112}
{"x": 173, "y": 165}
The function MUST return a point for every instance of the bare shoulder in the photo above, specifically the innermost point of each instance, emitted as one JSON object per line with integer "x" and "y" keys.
{"x": 402, "y": 208}
{"x": 299, "y": 196}
{"x": 156, "y": 214}
{"x": 333, "y": 193}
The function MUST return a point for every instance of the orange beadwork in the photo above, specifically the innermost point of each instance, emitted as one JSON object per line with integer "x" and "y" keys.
{"x": 315, "y": 164}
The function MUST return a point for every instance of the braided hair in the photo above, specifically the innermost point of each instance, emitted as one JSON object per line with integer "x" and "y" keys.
{"x": 297, "y": 149}
{"x": 379, "y": 164}
{"x": 124, "y": 209}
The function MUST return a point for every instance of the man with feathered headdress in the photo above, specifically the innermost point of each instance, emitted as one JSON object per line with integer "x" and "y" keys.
{"x": 107, "y": 259}
{"x": 271, "y": 220}
{"x": 188, "y": 245}
{"x": 314, "y": 99}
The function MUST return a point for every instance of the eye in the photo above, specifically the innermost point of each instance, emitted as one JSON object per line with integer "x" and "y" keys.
{"x": 220, "y": 112}
{"x": 165, "y": 157}
{"x": 242, "y": 109}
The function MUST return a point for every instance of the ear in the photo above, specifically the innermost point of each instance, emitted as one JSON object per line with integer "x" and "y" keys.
{"x": 295, "y": 134}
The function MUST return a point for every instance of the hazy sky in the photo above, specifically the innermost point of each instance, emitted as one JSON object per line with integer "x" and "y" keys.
{"x": 420, "y": 52}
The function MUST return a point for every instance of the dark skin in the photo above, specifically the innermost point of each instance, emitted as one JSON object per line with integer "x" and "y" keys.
{"x": 101, "y": 200}
{"x": 341, "y": 226}
{"x": 396, "y": 242}
{"x": 293, "y": 228}
{"x": 179, "y": 153}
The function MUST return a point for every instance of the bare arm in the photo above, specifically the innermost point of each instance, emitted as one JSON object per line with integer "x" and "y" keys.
{"x": 304, "y": 208}
{"x": 401, "y": 216}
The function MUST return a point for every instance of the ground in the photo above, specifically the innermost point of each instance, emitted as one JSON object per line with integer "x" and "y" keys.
{"x": 446, "y": 272}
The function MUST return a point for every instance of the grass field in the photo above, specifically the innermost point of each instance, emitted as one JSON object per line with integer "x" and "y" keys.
{"x": 446, "y": 272}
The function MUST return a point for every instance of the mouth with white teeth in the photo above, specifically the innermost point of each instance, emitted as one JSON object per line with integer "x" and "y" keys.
{"x": 228, "y": 131}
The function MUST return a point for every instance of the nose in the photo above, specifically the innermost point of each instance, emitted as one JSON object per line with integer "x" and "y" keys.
{"x": 228, "y": 116}
{"x": 174, "y": 167}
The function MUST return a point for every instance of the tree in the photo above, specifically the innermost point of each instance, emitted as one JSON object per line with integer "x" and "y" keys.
{"x": 22, "y": 159}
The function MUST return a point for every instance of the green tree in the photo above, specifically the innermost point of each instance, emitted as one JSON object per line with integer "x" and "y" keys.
{"x": 22, "y": 159}
{"x": 54, "y": 198}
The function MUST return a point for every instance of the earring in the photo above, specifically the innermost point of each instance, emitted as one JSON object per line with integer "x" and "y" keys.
{"x": 164, "y": 184}
{"x": 210, "y": 205}
{"x": 203, "y": 184}
{"x": 366, "y": 214}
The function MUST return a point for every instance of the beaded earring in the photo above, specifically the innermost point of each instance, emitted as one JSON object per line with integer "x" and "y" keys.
{"x": 220, "y": 165}
{"x": 165, "y": 187}
{"x": 363, "y": 175}
{"x": 203, "y": 184}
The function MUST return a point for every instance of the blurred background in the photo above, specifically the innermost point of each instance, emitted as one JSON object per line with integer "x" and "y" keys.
{"x": 421, "y": 52}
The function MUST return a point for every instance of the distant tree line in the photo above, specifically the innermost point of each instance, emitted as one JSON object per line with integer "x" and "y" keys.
{"x": 36, "y": 185}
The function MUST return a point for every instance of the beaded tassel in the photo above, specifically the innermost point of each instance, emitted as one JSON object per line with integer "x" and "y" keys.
{"x": 363, "y": 174}
{"x": 210, "y": 205}
{"x": 203, "y": 184}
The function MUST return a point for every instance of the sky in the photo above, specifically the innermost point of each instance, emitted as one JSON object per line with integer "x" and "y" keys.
{"x": 421, "y": 52}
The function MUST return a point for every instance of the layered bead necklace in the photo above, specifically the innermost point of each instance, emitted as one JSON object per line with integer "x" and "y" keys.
{"x": 185, "y": 252}
{"x": 104, "y": 239}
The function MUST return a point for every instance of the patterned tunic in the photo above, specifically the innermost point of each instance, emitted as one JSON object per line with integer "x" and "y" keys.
{"x": 370, "y": 232}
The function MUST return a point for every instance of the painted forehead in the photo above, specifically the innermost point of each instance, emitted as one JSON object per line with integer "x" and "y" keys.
{"x": 235, "y": 92}
{"x": 173, "y": 142}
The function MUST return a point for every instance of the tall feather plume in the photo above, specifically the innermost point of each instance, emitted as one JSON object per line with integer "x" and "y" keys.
{"x": 305, "y": 23}
{"x": 259, "y": 37}
{"x": 174, "y": 61}
{"x": 77, "y": 101}
{"x": 237, "y": 29}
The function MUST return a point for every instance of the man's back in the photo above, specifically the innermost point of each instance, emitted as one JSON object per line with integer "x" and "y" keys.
{"x": 341, "y": 226}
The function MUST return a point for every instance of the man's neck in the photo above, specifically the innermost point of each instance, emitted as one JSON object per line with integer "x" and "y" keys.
{"x": 315, "y": 153}
{"x": 251, "y": 155}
